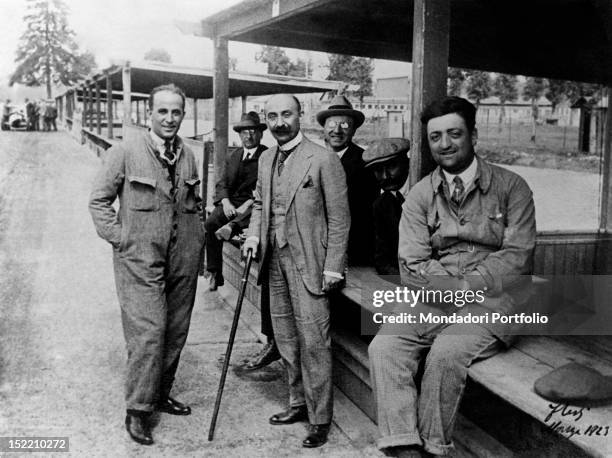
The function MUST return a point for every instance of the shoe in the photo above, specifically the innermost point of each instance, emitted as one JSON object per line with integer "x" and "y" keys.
{"x": 289, "y": 416}
{"x": 224, "y": 232}
{"x": 268, "y": 354}
{"x": 317, "y": 435}
{"x": 173, "y": 407}
{"x": 216, "y": 280}
{"x": 408, "y": 451}
{"x": 138, "y": 429}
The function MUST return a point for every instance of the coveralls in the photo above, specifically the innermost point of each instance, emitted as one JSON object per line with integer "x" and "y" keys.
{"x": 157, "y": 240}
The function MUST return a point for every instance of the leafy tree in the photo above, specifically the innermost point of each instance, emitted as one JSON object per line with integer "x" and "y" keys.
{"x": 504, "y": 88}
{"x": 353, "y": 70}
{"x": 47, "y": 52}
{"x": 456, "y": 77}
{"x": 279, "y": 63}
{"x": 158, "y": 55}
{"x": 533, "y": 90}
{"x": 478, "y": 85}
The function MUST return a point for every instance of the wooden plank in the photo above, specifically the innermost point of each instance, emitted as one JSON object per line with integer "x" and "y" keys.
{"x": 430, "y": 44}
{"x": 605, "y": 218}
{"x": 126, "y": 76}
{"x": 511, "y": 375}
{"x": 221, "y": 110}
{"x": 472, "y": 441}
{"x": 109, "y": 105}
{"x": 98, "y": 111}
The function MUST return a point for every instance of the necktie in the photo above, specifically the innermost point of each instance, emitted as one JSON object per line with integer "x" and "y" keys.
{"x": 247, "y": 156}
{"x": 457, "y": 196}
{"x": 282, "y": 157}
{"x": 169, "y": 152}
{"x": 399, "y": 197}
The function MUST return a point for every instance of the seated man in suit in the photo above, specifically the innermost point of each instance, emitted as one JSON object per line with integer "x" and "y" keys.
{"x": 340, "y": 122}
{"x": 234, "y": 193}
{"x": 388, "y": 160}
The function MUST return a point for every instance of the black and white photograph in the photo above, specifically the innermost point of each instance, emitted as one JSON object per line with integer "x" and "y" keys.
{"x": 318, "y": 228}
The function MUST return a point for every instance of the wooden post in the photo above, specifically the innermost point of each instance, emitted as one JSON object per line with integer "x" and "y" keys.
{"x": 138, "y": 112}
{"x": 244, "y": 104}
{"x": 84, "y": 105}
{"x": 221, "y": 96}
{"x": 98, "y": 110}
{"x": 430, "y": 40}
{"x": 195, "y": 117}
{"x": 605, "y": 217}
{"x": 109, "y": 106}
{"x": 127, "y": 98}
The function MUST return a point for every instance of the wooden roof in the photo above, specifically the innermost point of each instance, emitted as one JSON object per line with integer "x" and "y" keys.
{"x": 563, "y": 39}
{"x": 198, "y": 82}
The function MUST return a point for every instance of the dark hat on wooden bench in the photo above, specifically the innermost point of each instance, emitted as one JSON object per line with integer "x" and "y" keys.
{"x": 574, "y": 383}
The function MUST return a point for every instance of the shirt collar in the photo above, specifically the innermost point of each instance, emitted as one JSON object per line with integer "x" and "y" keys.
{"x": 160, "y": 145}
{"x": 467, "y": 176}
{"x": 291, "y": 144}
{"x": 341, "y": 153}
{"x": 249, "y": 151}
{"x": 482, "y": 176}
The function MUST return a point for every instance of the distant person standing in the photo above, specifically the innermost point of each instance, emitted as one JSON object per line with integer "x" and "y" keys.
{"x": 157, "y": 240}
{"x": 49, "y": 116}
{"x": 30, "y": 106}
{"x": 6, "y": 113}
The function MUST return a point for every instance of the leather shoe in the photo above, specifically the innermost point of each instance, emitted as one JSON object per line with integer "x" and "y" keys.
{"x": 138, "y": 429}
{"x": 173, "y": 407}
{"x": 289, "y": 416}
{"x": 268, "y": 354}
{"x": 216, "y": 280}
{"x": 317, "y": 435}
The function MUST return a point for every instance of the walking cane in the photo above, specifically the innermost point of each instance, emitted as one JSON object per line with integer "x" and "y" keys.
{"x": 230, "y": 344}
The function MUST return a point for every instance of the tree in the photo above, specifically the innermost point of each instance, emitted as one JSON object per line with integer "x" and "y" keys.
{"x": 456, "y": 77}
{"x": 478, "y": 85}
{"x": 158, "y": 55}
{"x": 533, "y": 90}
{"x": 504, "y": 88}
{"x": 353, "y": 70}
{"x": 47, "y": 52}
{"x": 279, "y": 63}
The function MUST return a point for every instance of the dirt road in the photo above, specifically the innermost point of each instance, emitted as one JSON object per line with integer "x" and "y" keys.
{"x": 62, "y": 352}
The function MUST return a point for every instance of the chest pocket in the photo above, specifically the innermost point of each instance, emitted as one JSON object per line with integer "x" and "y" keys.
{"x": 192, "y": 198}
{"x": 143, "y": 195}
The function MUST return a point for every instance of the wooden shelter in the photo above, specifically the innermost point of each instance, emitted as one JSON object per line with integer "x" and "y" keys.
{"x": 561, "y": 39}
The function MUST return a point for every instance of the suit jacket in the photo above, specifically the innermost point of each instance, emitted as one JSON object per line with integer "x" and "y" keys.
{"x": 387, "y": 211}
{"x": 362, "y": 191}
{"x": 229, "y": 185}
{"x": 317, "y": 217}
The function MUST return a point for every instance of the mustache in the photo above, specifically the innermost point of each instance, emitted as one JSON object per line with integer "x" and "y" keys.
{"x": 281, "y": 130}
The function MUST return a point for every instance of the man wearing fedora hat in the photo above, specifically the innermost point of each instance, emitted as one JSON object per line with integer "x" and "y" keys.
{"x": 388, "y": 161}
{"x": 340, "y": 122}
{"x": 233, "y": 194}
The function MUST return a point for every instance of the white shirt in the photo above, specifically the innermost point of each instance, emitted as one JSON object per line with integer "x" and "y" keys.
{"x": 341, "y": 153}
{"x": 467, "y": 176}
{"x": 161, "y": 147}
{"x": 249, "y": 153}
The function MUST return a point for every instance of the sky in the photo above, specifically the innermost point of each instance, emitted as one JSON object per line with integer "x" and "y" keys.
{"x": 126, "y": 29}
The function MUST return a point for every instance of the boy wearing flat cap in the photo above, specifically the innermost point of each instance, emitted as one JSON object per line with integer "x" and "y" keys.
{"x": 388, "y": 160}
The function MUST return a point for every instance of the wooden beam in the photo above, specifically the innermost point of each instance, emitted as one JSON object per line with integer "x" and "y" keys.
{"x": 429, "y": 73}
{"x": 90, "y": 118}
{"x": 221, "y": 97}
{"x": 195, "y": 117}
{"x": 98, "y": 110}
{"x": 84, "y": 106}
{"x": 127, "y": 97}
{"x": 605, "y": 216}
{"x": 244, "y": 104}
{"x": 109, "y": 106}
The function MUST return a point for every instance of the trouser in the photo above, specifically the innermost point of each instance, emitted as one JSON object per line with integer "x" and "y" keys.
{"x": 214, "y": 246}
{"x": 264, "y": 309}
{"x": 406, "y": 418}
{"x": 155, "y": 313}
{"x": 301, "y": 328}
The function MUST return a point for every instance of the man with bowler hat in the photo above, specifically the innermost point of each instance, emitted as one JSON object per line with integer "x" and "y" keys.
{"x": 233, "y": 194}
{"x": 340, "y": 122}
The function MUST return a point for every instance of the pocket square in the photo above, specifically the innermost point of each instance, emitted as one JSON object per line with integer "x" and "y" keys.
{"x": 308, "y": 183}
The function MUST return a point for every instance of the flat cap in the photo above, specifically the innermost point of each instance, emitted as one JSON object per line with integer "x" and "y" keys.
{"x": 384, "y": 150}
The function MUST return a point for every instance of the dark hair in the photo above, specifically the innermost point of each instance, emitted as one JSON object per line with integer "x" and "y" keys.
{"x": 166, "y": 87}
{"x": 448, "y": 105}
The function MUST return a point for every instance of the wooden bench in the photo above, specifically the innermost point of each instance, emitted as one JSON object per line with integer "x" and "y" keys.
{"x": 509, "y": 376}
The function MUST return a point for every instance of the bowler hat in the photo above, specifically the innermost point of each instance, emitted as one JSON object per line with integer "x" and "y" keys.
{"x": 384, "y": 150}
{"x": 340, "y": 106}
{"x": 249, "y": 120}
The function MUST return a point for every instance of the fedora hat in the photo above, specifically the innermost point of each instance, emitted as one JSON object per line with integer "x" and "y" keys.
{"x": 340, "y": 106}
{"x": 249, "y": 120}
